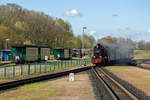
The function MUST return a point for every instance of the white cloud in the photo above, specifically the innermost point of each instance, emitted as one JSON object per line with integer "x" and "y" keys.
{"x": 92, "y": 32}
{"x": 72, "y": 13}
{"x": 148, "y": 31}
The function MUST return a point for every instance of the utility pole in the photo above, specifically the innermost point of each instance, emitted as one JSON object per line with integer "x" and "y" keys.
{"x": 83, "y": 40}
{"x": 56, "y": 39}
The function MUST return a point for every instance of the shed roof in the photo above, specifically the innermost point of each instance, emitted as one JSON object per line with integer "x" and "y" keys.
{"x": 5, "y": 50}
{"x": 43, "y": 46}
{"x": 61, "y": 48}
{"x": 22, "y": 46}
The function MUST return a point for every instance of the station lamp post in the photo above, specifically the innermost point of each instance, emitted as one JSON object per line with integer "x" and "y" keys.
{"x": 83, "y": 39}
{"x": 6, "y": 44}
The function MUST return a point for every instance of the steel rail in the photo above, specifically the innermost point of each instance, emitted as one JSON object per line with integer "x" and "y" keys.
{"x": 120, "y": 86}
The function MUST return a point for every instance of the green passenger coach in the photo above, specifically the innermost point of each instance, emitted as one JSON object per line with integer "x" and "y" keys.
{"x": 62, "y": 53}
{"x": 24, "y": 53}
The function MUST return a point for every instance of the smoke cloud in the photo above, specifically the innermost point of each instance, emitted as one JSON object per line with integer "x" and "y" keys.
{"x": 121, "y": 49}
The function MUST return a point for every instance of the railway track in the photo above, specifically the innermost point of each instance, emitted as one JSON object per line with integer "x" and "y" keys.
{"x": 17, "y": 83}
{"x": 113, "y": 89}
{"x": 144, "y": 65}
{"x": 3, "y": 64}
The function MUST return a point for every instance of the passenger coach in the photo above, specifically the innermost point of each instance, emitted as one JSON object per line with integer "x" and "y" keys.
{"x": 29, "y": 53}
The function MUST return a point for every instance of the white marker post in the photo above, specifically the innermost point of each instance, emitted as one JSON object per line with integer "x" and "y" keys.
{"x": 71, "y": 76}
{"x": 46, "y": 58}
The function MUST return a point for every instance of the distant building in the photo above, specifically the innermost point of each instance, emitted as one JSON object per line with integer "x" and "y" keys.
{"x": 5, "y": 55}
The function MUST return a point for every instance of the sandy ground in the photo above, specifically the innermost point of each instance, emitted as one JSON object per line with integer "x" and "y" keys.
{"x": 60, "y": 89}
{"x": 136, "y": 76}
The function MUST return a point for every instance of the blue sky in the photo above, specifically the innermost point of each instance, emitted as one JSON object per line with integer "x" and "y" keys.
{"x": 118, "y": 18}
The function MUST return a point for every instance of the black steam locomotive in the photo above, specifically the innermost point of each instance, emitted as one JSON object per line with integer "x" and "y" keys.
{"x": 100, "y": 56}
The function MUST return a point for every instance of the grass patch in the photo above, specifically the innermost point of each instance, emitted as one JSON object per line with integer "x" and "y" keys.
{"x": 35, "y": 85}
{"x": 142, "y": 53}
{"x": 11, "y": 64}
